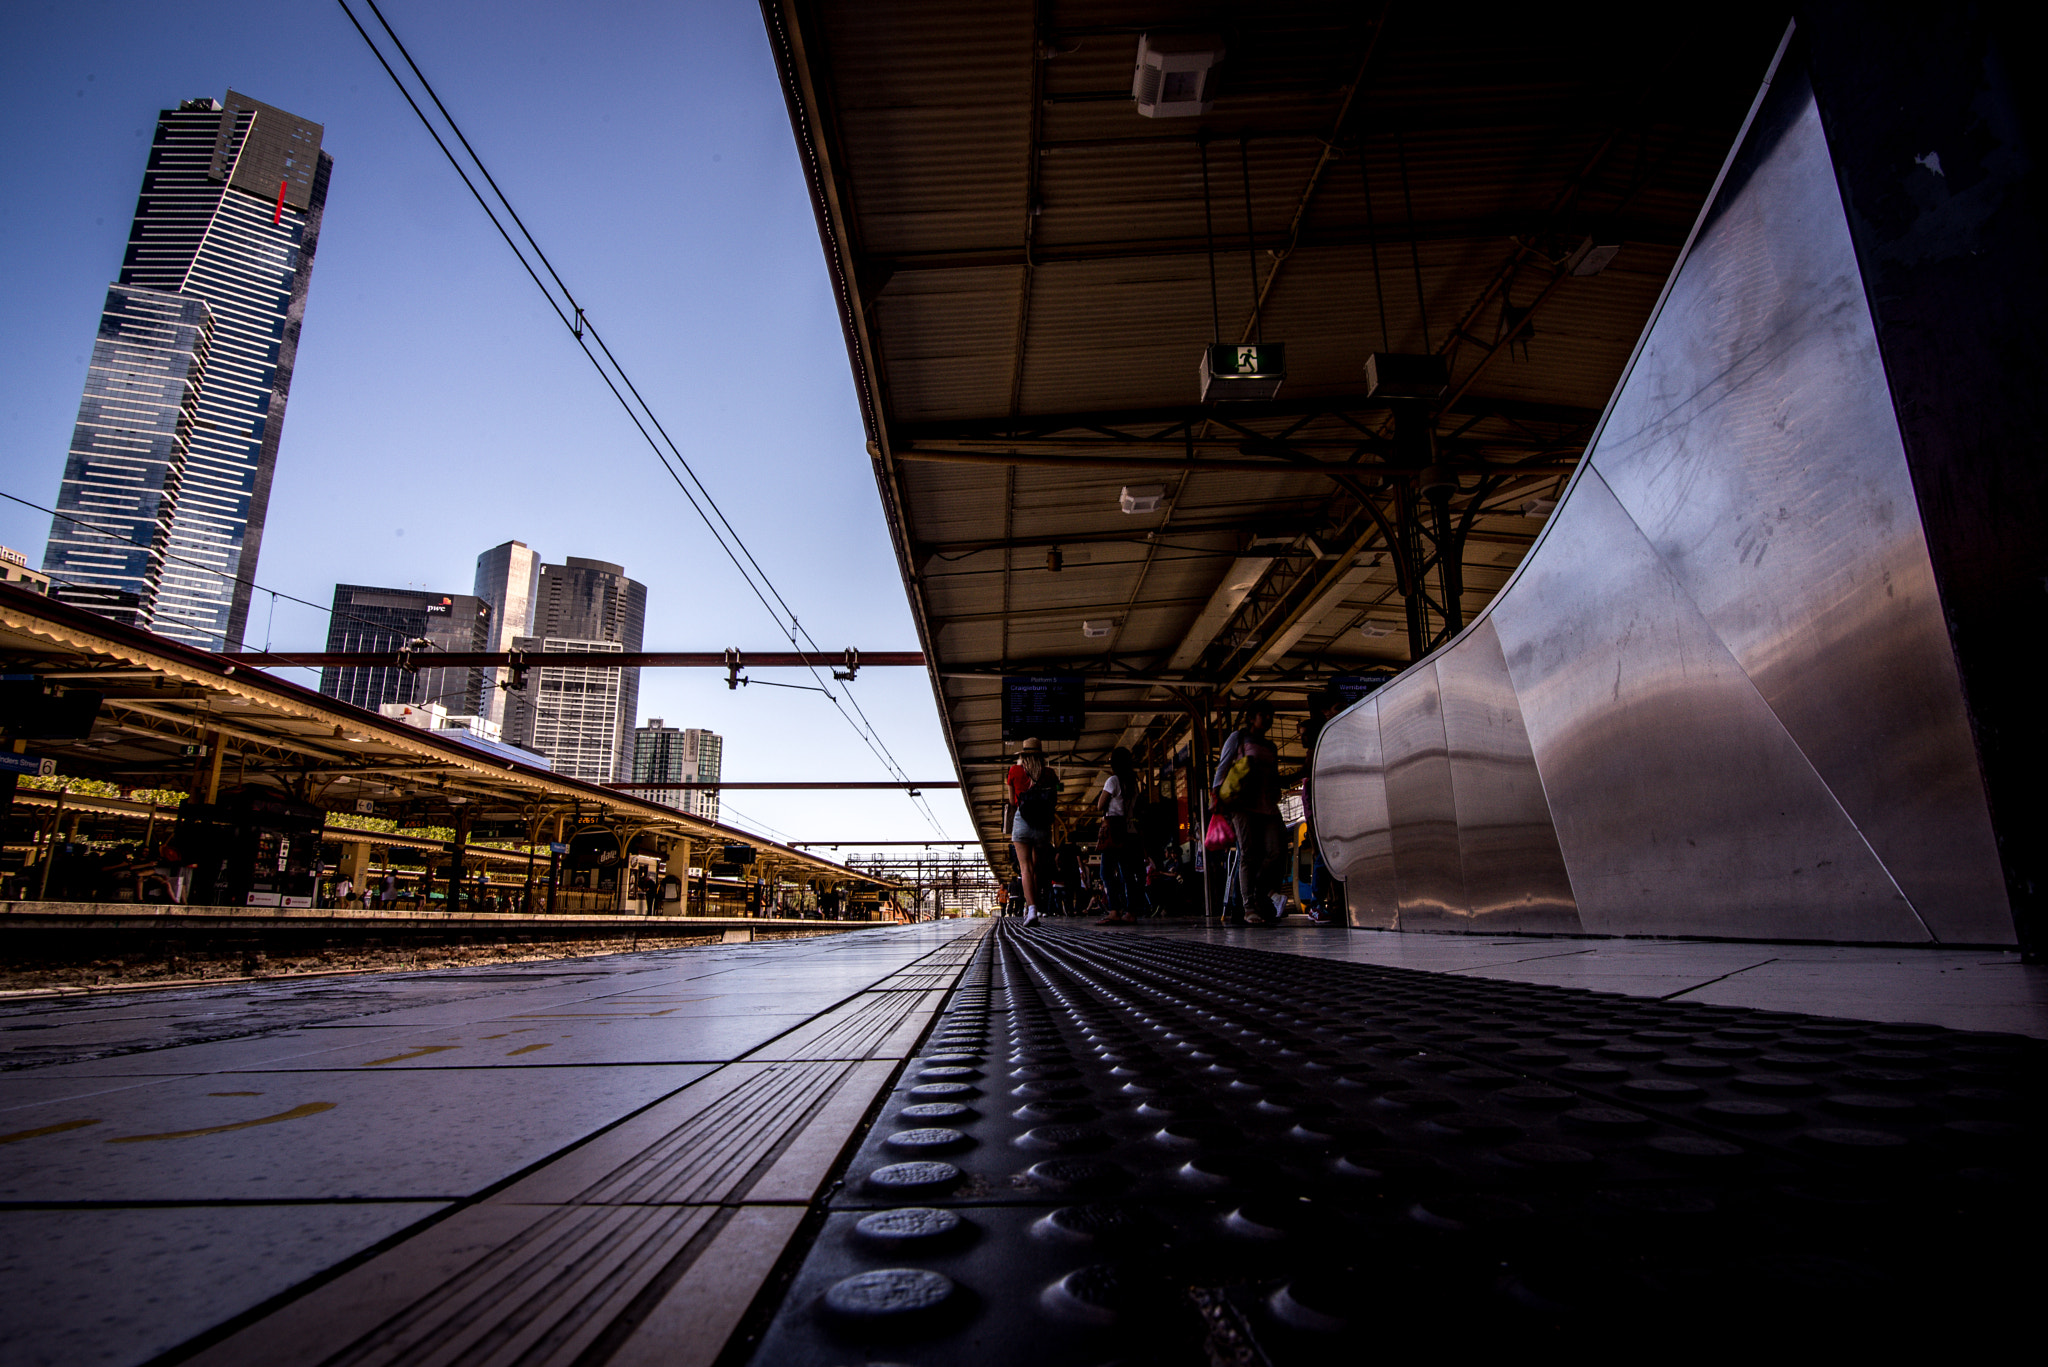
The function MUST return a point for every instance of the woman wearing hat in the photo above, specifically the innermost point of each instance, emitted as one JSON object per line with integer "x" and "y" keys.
{"x": 1030, "y": 791}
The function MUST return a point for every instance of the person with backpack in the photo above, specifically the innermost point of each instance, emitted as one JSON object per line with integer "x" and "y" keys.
{"x": 1031, "y": 792}
{"x": 1247, "y": 785}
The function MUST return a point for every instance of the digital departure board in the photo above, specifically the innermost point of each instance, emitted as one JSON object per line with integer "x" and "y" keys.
{"x": 1048, "y": 706}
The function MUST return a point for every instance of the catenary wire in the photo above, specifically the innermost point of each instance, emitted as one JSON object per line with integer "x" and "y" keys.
{"x": 578, "y": 328}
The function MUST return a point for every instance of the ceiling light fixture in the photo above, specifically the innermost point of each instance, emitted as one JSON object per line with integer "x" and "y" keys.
{"x": 1375, "y": 630}
{"x": 1141, "y": 498}
{"x": 1096, "y": 629}
{"x": 1406, "y": 377}
{"x": 1592, "y": 257}
{"x": 1175, "y": 74}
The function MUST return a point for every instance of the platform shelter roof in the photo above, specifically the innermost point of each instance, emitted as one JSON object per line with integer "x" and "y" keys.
{"x": 1029, "y": 271}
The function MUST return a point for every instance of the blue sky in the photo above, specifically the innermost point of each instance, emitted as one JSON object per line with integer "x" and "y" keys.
{"x": 438, "y": 408}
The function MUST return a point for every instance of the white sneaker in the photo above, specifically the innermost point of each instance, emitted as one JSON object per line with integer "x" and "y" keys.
{"x": 1031, "y": 916}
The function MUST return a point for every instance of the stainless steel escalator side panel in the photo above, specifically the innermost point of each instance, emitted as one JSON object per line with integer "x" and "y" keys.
{"x": 1515, "y": 877}
{"x": 1681, "y": 805}
{"x": 1420, "y": 806}
{"x": 1755, "y": 446}
{"x": 1726, "y": 653}
{"x": 1351, "y": 817}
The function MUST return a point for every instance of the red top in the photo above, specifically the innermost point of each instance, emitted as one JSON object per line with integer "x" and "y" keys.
{"x": 1016, "y": 784}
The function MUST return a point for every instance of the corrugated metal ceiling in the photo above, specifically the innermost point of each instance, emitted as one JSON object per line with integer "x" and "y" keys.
{"x": 1026, "y": 264}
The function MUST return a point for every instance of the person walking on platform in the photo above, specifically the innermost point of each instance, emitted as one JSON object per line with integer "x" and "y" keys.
{"x": 1123, "y": 873}
{"x": 1030, "y": 791}
{"x": 1247, "y": 785}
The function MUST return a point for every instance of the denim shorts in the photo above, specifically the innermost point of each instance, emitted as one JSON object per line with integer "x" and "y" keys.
{"x": 1023, "y": 832}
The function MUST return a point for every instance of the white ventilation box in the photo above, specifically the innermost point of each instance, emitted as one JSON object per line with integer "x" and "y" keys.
{"x": 1141, "y": 498}
{"x": 1176, "y": 74}
{"x": 1096, "y": 630}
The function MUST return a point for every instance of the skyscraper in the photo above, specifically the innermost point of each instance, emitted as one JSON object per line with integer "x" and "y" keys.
{"x": 508, "y": 578}
{"x": 581, "y": 718}
{"x": 373, "y": 619}
{"x": 668, "y": 754}
{"x": 177, "y": 433}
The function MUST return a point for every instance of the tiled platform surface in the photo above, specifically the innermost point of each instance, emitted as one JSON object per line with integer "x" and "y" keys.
{"x": 1171, "y": 1146}
{"x": 1155, "y": 1148}
{"x": 1963, "y": 989}
{"x": 534, "y": 1163}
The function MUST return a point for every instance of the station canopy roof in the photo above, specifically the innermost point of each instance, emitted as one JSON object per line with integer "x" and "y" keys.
{"x": 1030, "y": 270}
{"x": 160, "y": 701}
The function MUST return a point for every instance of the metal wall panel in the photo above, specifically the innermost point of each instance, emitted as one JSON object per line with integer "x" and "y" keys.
{"x": 1515, "y": 877}
{"x": 1729, "y": 666}
{"x": 1755, "y": 445}
{"x": 1420, "y": 806}
{"x": 1682, "y": 807}
{"x": 1351, "y": 816}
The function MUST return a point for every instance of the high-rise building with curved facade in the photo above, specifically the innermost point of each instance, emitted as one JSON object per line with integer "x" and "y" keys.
{"x": 160, "y": 513}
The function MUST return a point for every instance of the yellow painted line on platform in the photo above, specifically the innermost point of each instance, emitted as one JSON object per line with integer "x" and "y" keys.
{"x": 528, "y": 1049}
{"x": 420, "y": 1052}
{"x": 20, "y": 1135}
{"x": 295, "y": 1113}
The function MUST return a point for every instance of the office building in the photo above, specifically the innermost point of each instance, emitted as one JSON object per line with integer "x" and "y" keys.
{"x": 581, "y": 718}
{"x": 668, "y": 754}
{"x": 508, "y": 578}
{"x": 161, "y": 508}
{"x": 384, "y": 620}
{"x": 14, "y": 570}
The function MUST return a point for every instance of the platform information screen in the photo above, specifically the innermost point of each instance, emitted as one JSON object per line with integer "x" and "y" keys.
{"x": 1048, "y": 706}
{"x": 1352, "y": 687}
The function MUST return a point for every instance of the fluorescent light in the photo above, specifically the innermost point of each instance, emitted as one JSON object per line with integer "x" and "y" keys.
{"x": 1143, "y": 498}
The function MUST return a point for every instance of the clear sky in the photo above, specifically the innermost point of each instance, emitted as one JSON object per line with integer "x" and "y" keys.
{"x": 438, "y": 409}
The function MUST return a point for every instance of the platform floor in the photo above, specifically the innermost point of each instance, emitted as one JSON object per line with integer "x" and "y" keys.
{"x": 173, "y": 1164}
{"x": 956, "y": 1143}
{"x": 1963, "y": 989}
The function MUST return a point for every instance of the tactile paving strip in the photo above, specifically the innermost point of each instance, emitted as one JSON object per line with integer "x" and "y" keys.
{"x": 1148, "y": 1150}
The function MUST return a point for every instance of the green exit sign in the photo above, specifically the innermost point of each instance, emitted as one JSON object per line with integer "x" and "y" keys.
{"x": 1246, "y": 370}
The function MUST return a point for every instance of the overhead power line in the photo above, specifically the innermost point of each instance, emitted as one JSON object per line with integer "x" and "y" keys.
{"x": 585, "y": 333}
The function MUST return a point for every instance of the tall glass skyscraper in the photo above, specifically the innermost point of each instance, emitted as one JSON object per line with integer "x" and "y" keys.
{"x": 171, "y": 459}
{"x": 377, "y": 619}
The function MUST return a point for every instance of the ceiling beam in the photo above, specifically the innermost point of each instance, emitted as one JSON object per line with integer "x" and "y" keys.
{"x": 882, "y": 267}
{"x": 998, "y": 428}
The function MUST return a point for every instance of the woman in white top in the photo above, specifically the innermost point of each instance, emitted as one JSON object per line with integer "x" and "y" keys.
{"x": 1123, "y": 860}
